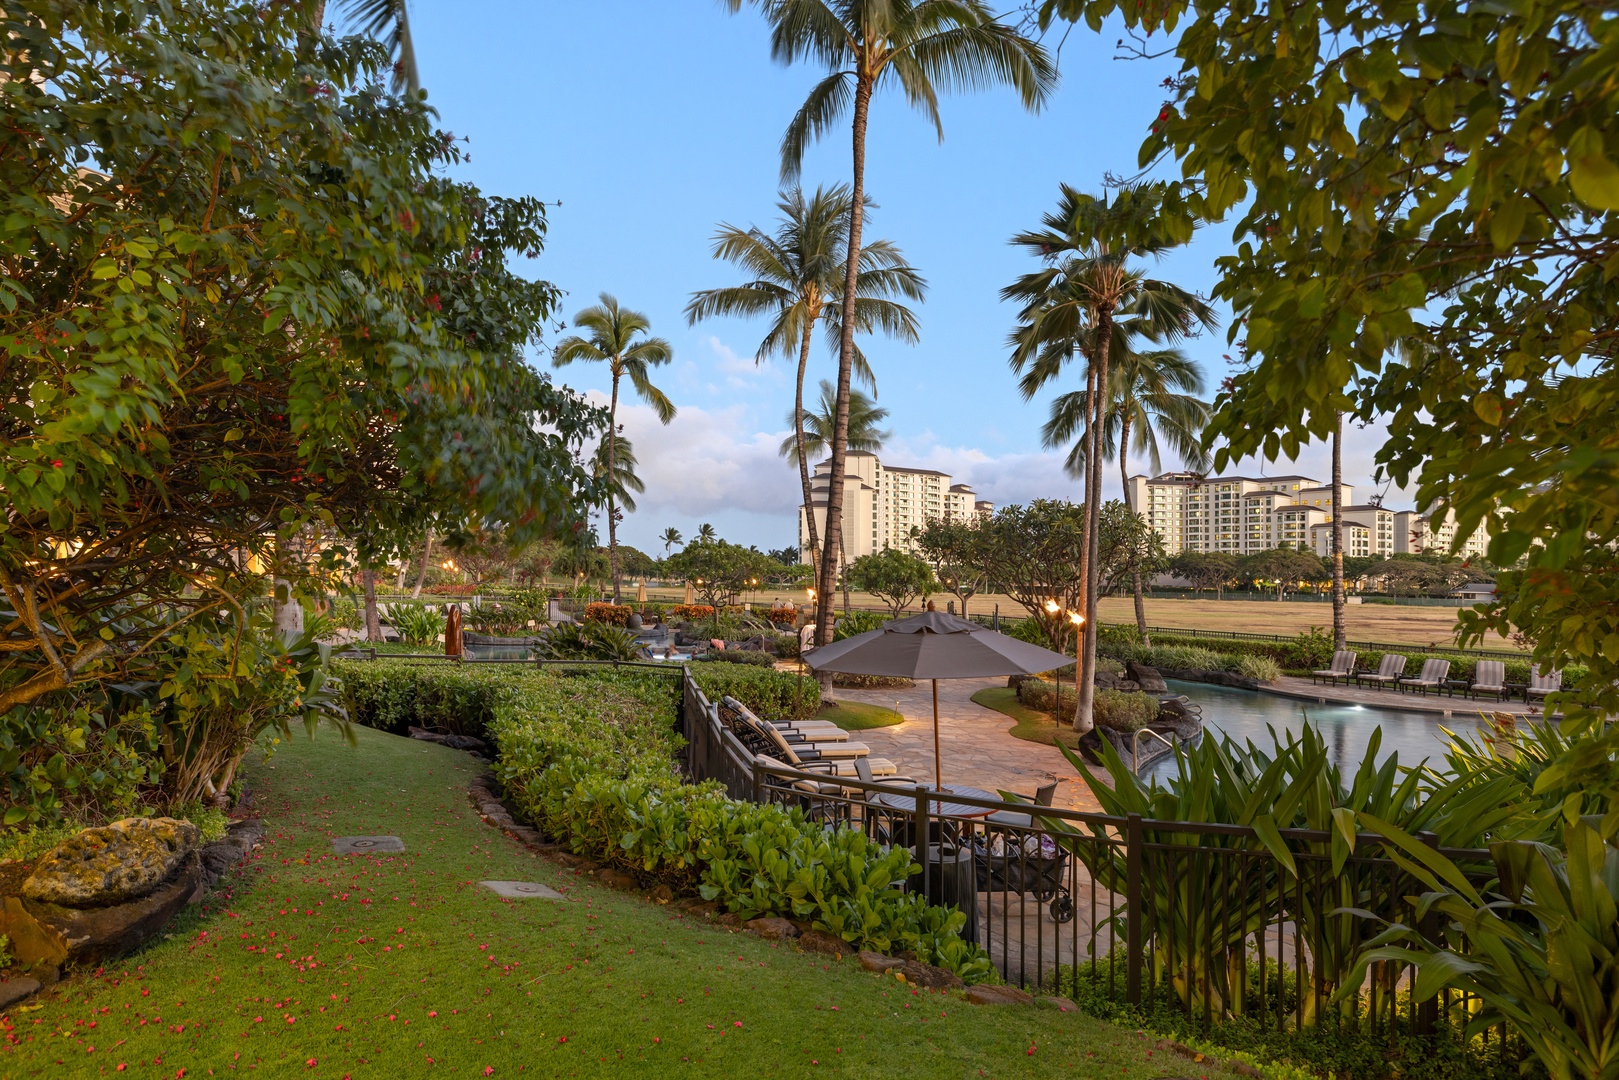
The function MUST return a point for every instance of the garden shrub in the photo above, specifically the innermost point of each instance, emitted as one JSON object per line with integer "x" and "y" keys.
{"x": 846, "y": 681}
{"x": 691, "y": 612}
{"x": 787, "y": 646}
{"x": 778, "y": 695}
{"x": 1041, "y": 694}
{"x": 859, "y": 622}
{"x": 418, "y": 624}
{"x": 1125, "y": 711}
{"x": 786, "y": 614}
{"x": 749, "y": 657}
{"x": 1261, "y": 668}
{"x": 610, "y": 614}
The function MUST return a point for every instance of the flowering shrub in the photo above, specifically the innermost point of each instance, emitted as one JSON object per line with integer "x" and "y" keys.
{"x": 788, "y": 614}
{"x": 692, "y": 612}
{"x": 611, "y": 614}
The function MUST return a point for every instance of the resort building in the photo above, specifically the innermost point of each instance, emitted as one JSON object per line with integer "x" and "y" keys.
{"x": 1240, "y": 515}
{"x": 883, "y": 503}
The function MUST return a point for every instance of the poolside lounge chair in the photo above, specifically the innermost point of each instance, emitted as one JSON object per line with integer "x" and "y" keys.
{"x": 1489, "y": 677}
{"x": 1342, "y": 667}
{"x": 819, "y": 730}
{"x": 1434, "y": 673}
{"x": 840, "y": 755}
{"x": 1388, "y": 672}
{"x": 1541, "y": 685}
{"x": 1043, "y": 796}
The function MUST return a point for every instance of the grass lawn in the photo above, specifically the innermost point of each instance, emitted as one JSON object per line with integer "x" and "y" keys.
{"x": 858, "y": 715}
{"x": 1031, "y": 725}
{"x": 314, "y": 964}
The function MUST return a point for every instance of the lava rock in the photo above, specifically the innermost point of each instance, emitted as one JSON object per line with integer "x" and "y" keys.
{"x": 929, "y": 977}
{"x": 876, "y": 961}
{"x": 51, "y": 935}
{"x": 14, "y": 990}
{"x": 660, "y": 894}
{"x": 1147, "y": 678}
{"x": 1061, "y": 1004}
{"x": 112, "y": 864}
{"x": 985, "y": 994}
{"x": 819, "y": 941}
{"x": 772, "y": 928}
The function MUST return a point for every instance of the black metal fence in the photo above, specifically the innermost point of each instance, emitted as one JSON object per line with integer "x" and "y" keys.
{"x": 1200, "y": 917}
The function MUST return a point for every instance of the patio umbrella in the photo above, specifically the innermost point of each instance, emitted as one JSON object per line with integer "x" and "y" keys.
{"x": 690, "y": 595}
{"x": 934, "y": 646}
{"x": 640, "y": 593}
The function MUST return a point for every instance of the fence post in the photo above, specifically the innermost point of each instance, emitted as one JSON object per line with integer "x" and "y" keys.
{"x": 921, "y": 826}
{"x": 1426, "y": 1012}
{"x": 1134, "y": 851}
{"x": 758, "y": 781}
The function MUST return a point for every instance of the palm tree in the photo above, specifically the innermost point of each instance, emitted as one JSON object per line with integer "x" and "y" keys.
{"x": 920, "y": 46}
{"x": 1089, "y": 301}
{"x": 863, "y": 434}
{"x": 798, "y": 280}
{"x": 706, "y": 534}
{"x": 389, "y": 22}
{"x": 671, "y": 536}
{"x": 1152, "y": 397}
{"x": 618, "y": 338}
{"x": 613, "y": 465}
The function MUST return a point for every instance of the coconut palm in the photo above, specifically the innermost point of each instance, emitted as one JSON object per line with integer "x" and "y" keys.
{"x": 920, "y": 46}
{"x": 389, "y": 22}
{"x": 1089, "y": 301}
{"x": 671, "y": 537}
{"x": 1152, "y": 397}
{"x": 619, "y": 465}
{"x": 863, "y": 434}
{"x": 619, "y": 338}
{"x": 706, "y": 534}
{"x": 798, "y": 281}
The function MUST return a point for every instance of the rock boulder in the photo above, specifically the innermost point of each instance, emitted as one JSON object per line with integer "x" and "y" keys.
{"x": 1150, "y": 681}
{"x": 111, "y": 865}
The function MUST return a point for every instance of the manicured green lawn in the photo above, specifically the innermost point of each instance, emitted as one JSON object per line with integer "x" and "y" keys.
{"x": 858, "y": 715}
{"x": 402, "y": 965}
{"x": 1031, "y": 725}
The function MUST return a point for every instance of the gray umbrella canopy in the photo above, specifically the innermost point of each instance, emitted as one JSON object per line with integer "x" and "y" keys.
{"x": 934, "y": 645}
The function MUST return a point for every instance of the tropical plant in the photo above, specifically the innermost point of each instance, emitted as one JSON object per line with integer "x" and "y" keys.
{"x": 706, "y": 533}
{"x": 589, "y": 641}
{"x": 1089, "y": 301}
{"x": 1205, "y": 569}
{"x": 719, "y": 570}
{"x": 861, "y": 431}
{"x": 418, "y": 624}
{"x": 859, "y": 622}
{"x": 671, "y": 539}
{"x": 389, "y": 21}
{"x": 951, "y": 546}
{"x": 617, "y": 455}
{"x": 621, "y": 339}
{"x": 1152, "y": 394}
{"x": 798, "y": 281}
{"x": 920, "y": 46}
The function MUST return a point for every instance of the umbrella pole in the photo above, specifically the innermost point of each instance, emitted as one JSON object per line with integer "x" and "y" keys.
{"x": 938, "y": 773}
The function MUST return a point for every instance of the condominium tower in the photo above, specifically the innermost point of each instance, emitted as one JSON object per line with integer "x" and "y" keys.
{"x": 883, "y": 503}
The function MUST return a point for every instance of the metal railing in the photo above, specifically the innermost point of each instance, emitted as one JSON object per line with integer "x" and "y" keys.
{"x": 1135, "y": 746}
{"x": 1202, "y": 917}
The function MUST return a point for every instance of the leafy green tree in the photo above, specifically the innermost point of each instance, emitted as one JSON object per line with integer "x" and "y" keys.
{"x": 719, "y": 571}
{"x": 621, "y": 339}
{"x": 1281, "y": 568}
{"x": 1035, "y": 554}
{"x": 635, "y": 562}
{"x": 862, "y": 432}
{"x": 1427, "y": 218}
{"x": 894, "y": 576}
{"x": 1205, "y": 570}
{"x": 1089, "y": 301}
{"x": 798, "y": 282}
{"x": 952, "y": 548}
{"x": 265, "y": 312}
{"x": 920, "y": 46}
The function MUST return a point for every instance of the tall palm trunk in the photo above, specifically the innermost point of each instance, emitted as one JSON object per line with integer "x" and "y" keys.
{"x": 1338, "y": 634}
{"x": 1083, "y": 715}
{"x": 612, "y": 474}
{"x": 427, "y": 557}
{"x": 840, "y": 411}
{"x": 1126, "y": 408}
{"x": 798, "y": 433}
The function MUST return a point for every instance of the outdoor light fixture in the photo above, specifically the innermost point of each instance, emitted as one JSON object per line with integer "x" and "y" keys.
{"x": 1052, "y": 607}
{"x": 1076, "y": 618}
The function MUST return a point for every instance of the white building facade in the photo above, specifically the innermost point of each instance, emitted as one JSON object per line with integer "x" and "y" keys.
{"x": 883, "y": 503}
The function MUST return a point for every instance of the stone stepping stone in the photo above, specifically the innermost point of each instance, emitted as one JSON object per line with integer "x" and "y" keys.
{"x": 366, "y": 845}
{"x": 522, "y": 890}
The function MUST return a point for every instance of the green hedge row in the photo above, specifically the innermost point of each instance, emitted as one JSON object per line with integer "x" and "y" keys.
{"x": 1115, "y": 709}
{"x": 590, "y": 756}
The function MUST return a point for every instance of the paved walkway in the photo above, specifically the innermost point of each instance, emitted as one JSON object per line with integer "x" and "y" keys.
{"x": 1440, "y": 704}
{"x": 973, "y": 741}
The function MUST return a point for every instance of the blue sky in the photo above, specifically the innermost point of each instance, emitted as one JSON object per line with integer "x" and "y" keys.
{"x": 653, "y": 121}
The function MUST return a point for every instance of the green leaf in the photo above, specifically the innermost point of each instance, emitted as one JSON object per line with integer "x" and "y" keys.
{"x": 1595, "y": 181}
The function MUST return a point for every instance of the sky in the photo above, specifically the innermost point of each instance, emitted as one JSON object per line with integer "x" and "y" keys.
{"x": 650, "y": 122}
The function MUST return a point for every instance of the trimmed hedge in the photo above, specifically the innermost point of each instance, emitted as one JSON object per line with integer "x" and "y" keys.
{"x": 1117, "y": 710}
{"x": 591, "y": 757}
{"x": 779, "y": 695}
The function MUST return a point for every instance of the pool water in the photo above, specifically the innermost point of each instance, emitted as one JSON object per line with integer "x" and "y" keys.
{"x": 1244, "y": 714}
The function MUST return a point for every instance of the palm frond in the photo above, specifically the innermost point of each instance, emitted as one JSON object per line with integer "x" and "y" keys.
{"x": 820, "y": 111}
{"x": 389, "y": 22}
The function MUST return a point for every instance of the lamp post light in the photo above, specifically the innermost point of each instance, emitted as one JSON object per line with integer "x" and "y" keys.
{"x": 1052, "y": 610}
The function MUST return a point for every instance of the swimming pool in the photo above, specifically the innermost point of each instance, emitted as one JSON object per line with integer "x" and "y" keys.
{"x": 1244, "y": 714}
